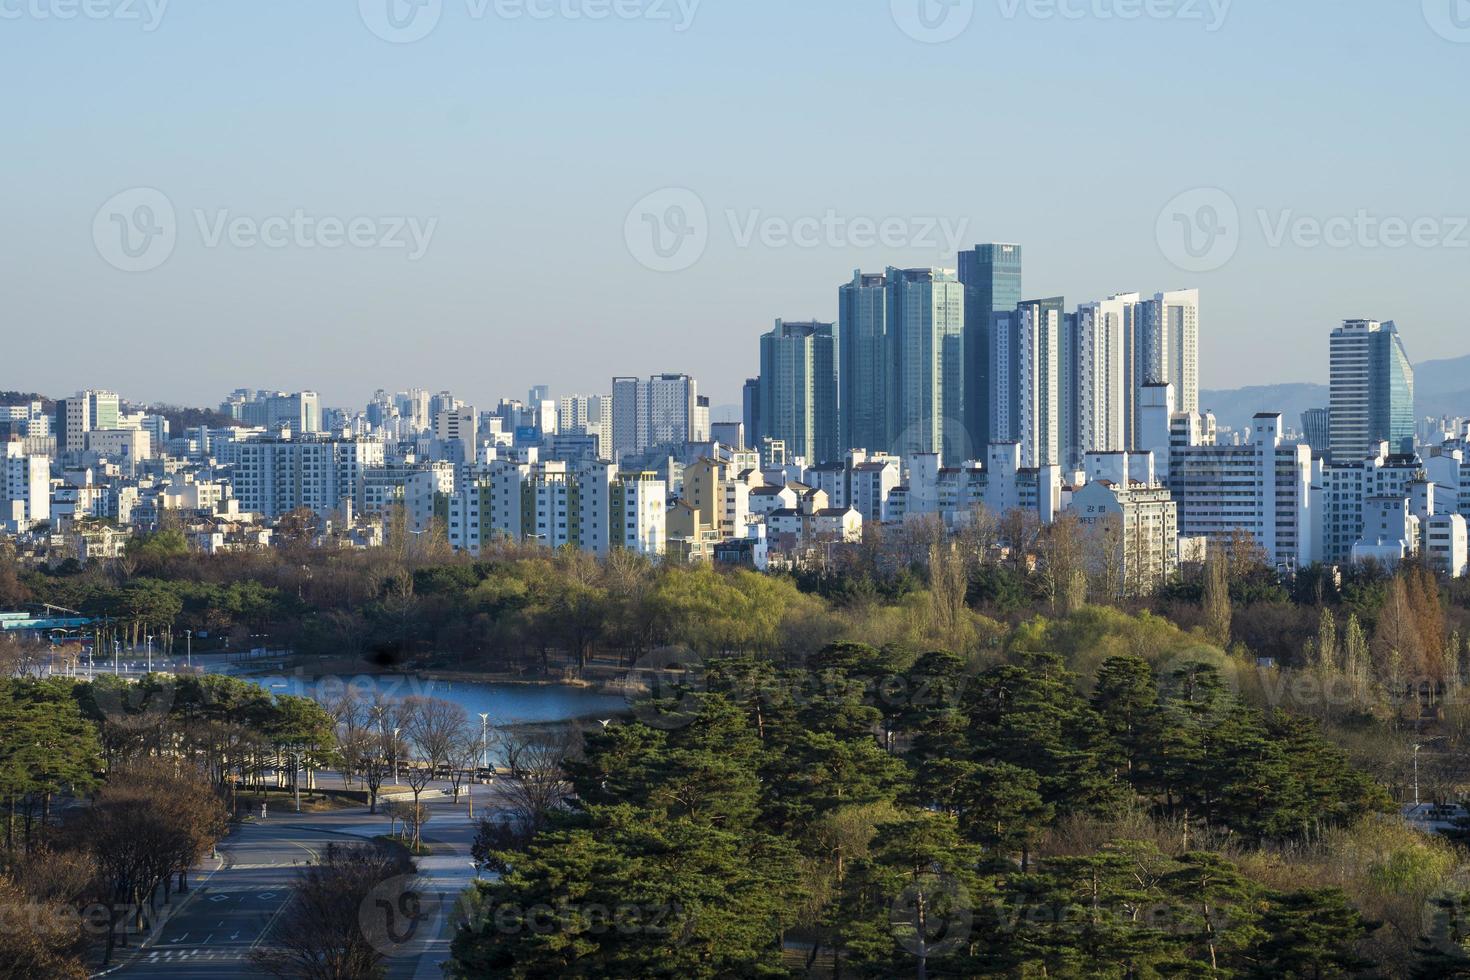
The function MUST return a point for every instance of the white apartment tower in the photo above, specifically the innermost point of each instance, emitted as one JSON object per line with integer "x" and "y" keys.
{"x": 1167, "y": 344}
{"x": 1100, "y": 379}
{"x": 1025, "y": 366}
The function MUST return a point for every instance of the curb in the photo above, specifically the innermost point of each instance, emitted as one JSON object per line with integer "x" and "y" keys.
{"x": 163, "y": 920}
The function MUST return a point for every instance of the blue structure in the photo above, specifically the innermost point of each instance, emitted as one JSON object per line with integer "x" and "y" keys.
{"x": 24, "y": 622}
{"x": 991, "y": 275}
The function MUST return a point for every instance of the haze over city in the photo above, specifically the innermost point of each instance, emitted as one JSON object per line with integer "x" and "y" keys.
{"x": 501, "y": 158}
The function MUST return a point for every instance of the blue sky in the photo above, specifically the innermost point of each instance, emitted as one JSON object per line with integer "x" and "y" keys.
{"x": 518, "y": 144}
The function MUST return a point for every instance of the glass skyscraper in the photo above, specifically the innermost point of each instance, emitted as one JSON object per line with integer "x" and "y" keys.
{"x": 991, "y": 276}
{"x": 926, "y": 336}
{"x": 798, "y": 390}
{"x": 1372, "y": 390}
{"x": 865, "y": 379}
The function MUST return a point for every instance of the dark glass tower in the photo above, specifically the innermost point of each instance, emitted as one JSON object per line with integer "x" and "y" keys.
{"x": 991, "y": 275}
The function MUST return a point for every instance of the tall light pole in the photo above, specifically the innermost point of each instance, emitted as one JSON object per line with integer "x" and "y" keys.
{"x": 485, "y": 739}
{"x": 395, "y": 755}
{"x": 1417, "y": 747}
{"x": 150, "y": 654}
{"x": 189, "y": 649}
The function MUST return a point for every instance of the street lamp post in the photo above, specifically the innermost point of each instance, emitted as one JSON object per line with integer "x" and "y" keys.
{"x": 1417, "y": 747}
{"x": 189, "y": 649}
{"x": 150, "y": 654}
{"x": 485, "y": 739}
{"x": 395, "y": 755}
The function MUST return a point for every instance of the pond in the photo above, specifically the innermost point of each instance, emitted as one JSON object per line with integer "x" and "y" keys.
{"x": 506, "y": 704}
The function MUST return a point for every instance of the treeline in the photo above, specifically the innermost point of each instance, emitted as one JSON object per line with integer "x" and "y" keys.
{"x": 100, "y": 826}
{"x": 526, "y": 609}
{"x": 877, "y": 813}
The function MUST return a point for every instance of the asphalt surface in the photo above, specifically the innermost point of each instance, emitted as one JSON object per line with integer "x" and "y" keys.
{"x": 230, "y": 911}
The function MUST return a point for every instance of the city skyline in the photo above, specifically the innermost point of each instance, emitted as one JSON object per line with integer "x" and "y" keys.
{"x": 406, "y": 136}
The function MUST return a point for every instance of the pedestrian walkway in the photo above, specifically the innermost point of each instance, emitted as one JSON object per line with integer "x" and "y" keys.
{"x": 442, "y": 876}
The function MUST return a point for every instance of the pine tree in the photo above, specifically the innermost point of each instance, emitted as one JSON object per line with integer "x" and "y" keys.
{"x": 1215, "y": 897}
{"x": 1310, "y": 934}
{"x": 1126, "y": 698}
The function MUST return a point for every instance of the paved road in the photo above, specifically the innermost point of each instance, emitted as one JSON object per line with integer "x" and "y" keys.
{"x": 232, "y": 909}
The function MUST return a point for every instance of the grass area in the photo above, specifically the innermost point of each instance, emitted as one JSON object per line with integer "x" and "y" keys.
{"x": 399, "y": 840}
{"x": 284, "y": 801}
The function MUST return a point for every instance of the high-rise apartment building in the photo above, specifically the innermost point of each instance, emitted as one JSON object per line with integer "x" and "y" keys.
{"x": 1025, "y": 380}
{"x": 926, "y": 337}
{"x": 459, "y": 428}
{"x": 864, "y": 375}
{"x": 991, "y": 276}
{"x": 25, "y": 488}
{"x": 1167, "y": 344}
{"x": 1372, "y": 390}
{"x": 81, "y": 414}
{"x": 276, "y": 476}
{"x": 1099, "y": 381}
{"x": 798, "y": 389}
{"x": 665, "y": 410}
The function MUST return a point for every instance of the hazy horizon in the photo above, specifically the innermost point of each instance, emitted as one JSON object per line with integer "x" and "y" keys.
{"x": 555, "y": 197}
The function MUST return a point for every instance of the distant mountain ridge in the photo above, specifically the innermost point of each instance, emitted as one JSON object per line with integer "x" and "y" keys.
{"x": 1440, "y": 388}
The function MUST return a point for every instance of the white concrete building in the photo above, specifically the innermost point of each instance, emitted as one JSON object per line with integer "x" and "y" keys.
{"x": 1146, "y": 519}
{"x": 126, "y": 447}
{"x": 1100, "y": 377}
{"x": 1167, "y": 344}
{"x": 1347, "y": 486}
{"x": 1390, "y": 531}
{"x": 1025, "y": 380}
{"x": 1264, "y": 486}
{"x": 25, "y": 489}
{"x": 276, "y": 476}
